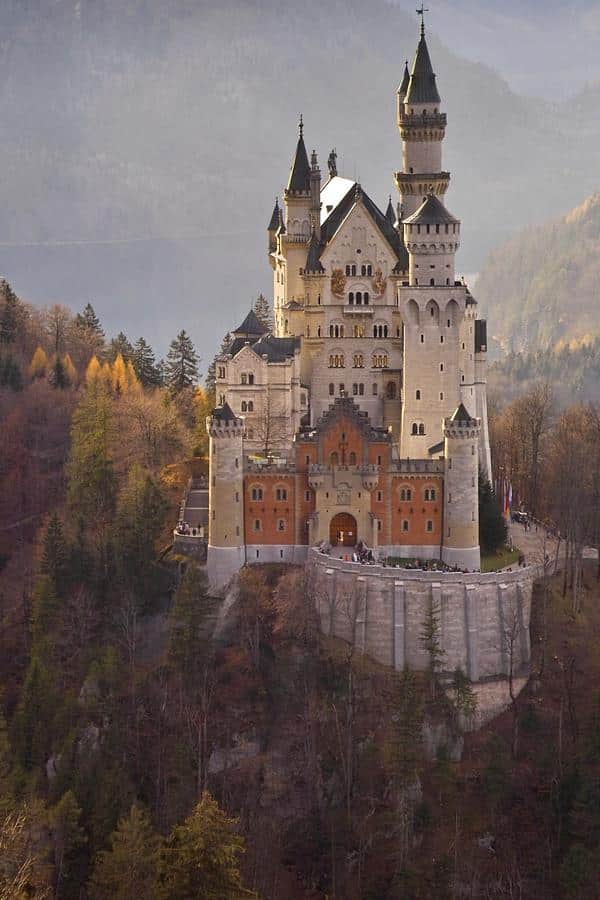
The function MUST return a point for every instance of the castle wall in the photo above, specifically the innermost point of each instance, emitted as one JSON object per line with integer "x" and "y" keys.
{"x": 483, "y": 618}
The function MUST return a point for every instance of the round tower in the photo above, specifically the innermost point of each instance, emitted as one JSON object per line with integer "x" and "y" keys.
{"x": 460, "y": 546}
{"x": 226, "y": 542}
{"x": 422, "y": 128}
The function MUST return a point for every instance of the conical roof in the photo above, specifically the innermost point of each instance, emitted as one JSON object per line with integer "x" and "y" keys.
{"x": 275, "y": 217}
{"x": 390, "y": 213}
{"x": 313, "y": 263}
{"x": 405, "y": 82}
{"x": 422, "y": 87}
{"x": 251, "y": 326}
{"x": 461, "y": 415}
{"x": 224, "y": 413}
{"x": 431, "y": 212}
{"x": 299, "y": 180}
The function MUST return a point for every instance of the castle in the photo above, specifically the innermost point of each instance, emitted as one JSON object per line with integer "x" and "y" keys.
{"x": 361, "y": 417}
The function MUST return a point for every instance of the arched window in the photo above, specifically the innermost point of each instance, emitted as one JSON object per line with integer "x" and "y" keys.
{"x": 281, "y": 493}
{"x": 417, "y": 395}
{"x": 363, "y": 270}
{"x": 358, "y": 361}
{"x": 331, "y": 331}
{"x": 281, "y": 525}
{"x": 391, "y": 390}
{"x": 250, "y": 405}
{"x": 331, "y": 389}
{"x": 421, "y": 429}
{"x": 347, "y": 270}
{"x": 256, "y": 492}
{"x": 351, "y": 298}
{"x": 353, "y": 458}
{"x": 333, "y": 458}
{"x": 244, "y": 378}
{"x": 358, "y": 298}
{"x": 250, "y": 378}
{"x": 415, "y": 428}
{"x": 366, "y": 298}
{"x": 286, "y": 326}
{"x": 354, "y": 270}
{"x": 318, "y": 331}
{"x": 369, "y": 269}
{"x": 374, "y": 389}
{"x": 355, "y": 389}
{"x": 361, "y": 389}
{"x": 244, "y": 406}
{"x": 405, "y": 494}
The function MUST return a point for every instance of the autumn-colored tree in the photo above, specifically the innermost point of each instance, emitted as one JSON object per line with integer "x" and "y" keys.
{"x": 23, "y": 875}
{"x": 70, "y": 369}
{"x": 201, "y": 857}
{"x": 129, "y": 868}
{"x": 39, "y": 363}
{"x": 92, "y": 373}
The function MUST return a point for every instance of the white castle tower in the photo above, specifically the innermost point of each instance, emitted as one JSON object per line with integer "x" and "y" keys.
{"x": 226, "y": 543}
{"x": 460, "y": 544}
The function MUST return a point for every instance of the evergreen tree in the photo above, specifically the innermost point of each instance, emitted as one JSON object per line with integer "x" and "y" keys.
{"x": 128, "y": 869}
{"x": 406, "y": 731}
{"x": 263, "y": 311}
{"x": 6, "y": 785}
{"x": 201, "y": 858}
{"x": 10, "y": 373}
{"x": 493, "y": 531}
{"x": 430, "y": 641}
{"x": 139, "y": 520}
{"x": 54, "y": 562}
{"x": 211, "y": 376}
{"x": 59, "y": 378}
{"x": 182, "y": 364}
{"x": 92, "y": 481}
{"x": 32, "y": 722}
{"x": 88, "y": 322}
{"x": 187, "y": 646}
{"x": 145, "y": 365}
{"x": 121, "y": 345}
{"x": 465, "y": 699}
{"x": 11, "y": 314}
{"x": 68, "y": 839}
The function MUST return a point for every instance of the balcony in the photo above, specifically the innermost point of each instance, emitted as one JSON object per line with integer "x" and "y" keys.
{"x": 358, "y": 310}
{"x": 435, "y": 120}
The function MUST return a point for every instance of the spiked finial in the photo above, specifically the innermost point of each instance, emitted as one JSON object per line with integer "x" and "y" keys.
{"x": 421, "y": 12}
{"x": 301, "y": 126}
{"x": 314, "y": 163}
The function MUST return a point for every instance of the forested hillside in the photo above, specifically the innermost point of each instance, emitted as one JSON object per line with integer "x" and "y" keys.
{"x": 541, "y": 290}
{"x": 163, "y": 130}
{"x": 151, "y": 747}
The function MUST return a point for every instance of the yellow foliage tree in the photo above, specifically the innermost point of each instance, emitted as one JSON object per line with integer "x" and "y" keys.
{"x": 106, "y": 376}
{"x": 92, "y": 373}
{"x": 133, "y": 383}
{"x": 119, "y": 375}
{"x": 70, "y": 369}
{"x": 39, "y": 363}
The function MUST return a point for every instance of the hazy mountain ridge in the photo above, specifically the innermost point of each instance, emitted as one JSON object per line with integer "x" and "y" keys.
{"x": 545, "y": 281}
{"x": 177, "y": 120}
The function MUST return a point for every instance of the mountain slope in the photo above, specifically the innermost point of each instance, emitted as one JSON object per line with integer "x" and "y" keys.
{"x": 540, "y": 289}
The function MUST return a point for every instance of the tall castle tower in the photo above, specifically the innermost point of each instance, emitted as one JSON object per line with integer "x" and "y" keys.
{"x": 460, "y": 545}
{"x": 422, "y": 128}
{"x": 226, "y": 542}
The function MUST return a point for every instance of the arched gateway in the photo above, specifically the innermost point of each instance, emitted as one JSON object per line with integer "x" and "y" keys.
{"x": 343, "y": 530}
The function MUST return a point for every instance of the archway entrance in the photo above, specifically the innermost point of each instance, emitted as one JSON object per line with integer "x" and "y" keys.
{"x": 342, "y": 530}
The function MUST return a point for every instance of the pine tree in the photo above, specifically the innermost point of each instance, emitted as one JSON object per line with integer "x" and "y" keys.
{"x": 431, "y": 642}
{"x": 68, "y": 838}
{"x": 32, "y": 721}
{"x": 465, "y": 699}
{"x": 263, "y": 311}
{"x": 38, "y": 364}
{"x": 145, "y": 365}
{"x": 92, "y": 481}
{"x": 201, "y": 858}
{"x": 493, "y": 530}
{"x": 55, "y": 555}
{"x": 182, "y": 364}
{"x": 406, "y": 731}
{"x": 120, "y": 345}
{"x": 89, "y": 322}
{"x": 6, "y": 785}
{"x": 11, "y": 314}
{"x": 10, "y": 373}
{"x": 128, "y": 869}
{"x": 58, "y": 374}
{"x": 211, "y": 376}
{"x": 187, "y": 646}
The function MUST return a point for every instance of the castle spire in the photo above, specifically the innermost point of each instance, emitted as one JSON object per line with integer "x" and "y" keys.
{"x": 422, "y": 87}
{"x": 299, "y": 180}
{"x": 404, "y": 84}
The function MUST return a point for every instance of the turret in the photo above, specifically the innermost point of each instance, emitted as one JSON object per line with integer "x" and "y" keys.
{"x": 460, "y": 545}
{"x": 226, "y": 495}
{"x": 315, "y": 195}
{"x": 432, "y": 237}
{"x": 297, "y": 196}
{"x": 422, "y": 128}
{"x": 274, "y": 224}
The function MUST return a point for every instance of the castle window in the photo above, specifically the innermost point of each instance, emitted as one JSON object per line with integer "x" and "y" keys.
{"x": 358, "y": 298}
{"x": 374, "y": 389}
{"x": 281, "y": 493}
{"x": 415, "y": 428}
{"x": 237, "y": 530}
{"x": 405, "y": 525}
{"x": 430, "y": 493}
{"x": 221, "y": 371}
{"x": 358, "y": 361}
{"x": 422, "y": 338}
{"x": 318, "y": 331}
{"x": 347, "y": 270}
{"x": 351, "y": 298}
{"x": 417, "y": 395}
{"x": 331, "y": 388}
{"x": 354, "y": 270}
{"x": 429, "y": 526}
{"x": 369, "y": 269}
{"x": 319, "y": 299}
{"x": 379, "y": 496}
{"x": 463, "y": 346}
{"x": 449, "y": 323}
{"x": 244, "y": 406}
{"x": 449, "y": 498}
{"x": 286, "y": 326}
{"x": 237, "y": 497}
{"x": 281, "y": 524}
{"x": 378, "y": 524}
{"x": 363, "y": 270}
{"x": 257, "y": 525}
{"x": 473, "y": 450}
{"x": 446, "y": 229}
{"x": 441, "y": 395}
{"x": 244, "y": 378}
{"x": 431, "y": 283}
{"x": 355, "y": 390}
{"x": 250, "y": 378}
{"x": 427, "y": 227}
{"x": 406, "y": 494}
{"x": 437, "y": 229}
{"x": 333, "y": 458}
{"x": 391, "y": 390}
{"x": 342, "y": 390}
{"x": 441, "y": 338}
{"x": 462, "y": 377}
{"x": 441, "y": 367}
{"x": 353, "y": 458}
{"x": 361, "y": 390}
{"x": 257, "y": 493}
{"x": 379, "y": 460}
{"x": 237, "y": 463}
{"x": 366, "y": 298}
{"x": 307, "y": 458}
{"x": 421, "y": 429}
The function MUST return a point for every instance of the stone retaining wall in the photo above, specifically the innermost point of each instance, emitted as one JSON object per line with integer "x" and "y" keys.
{"x": 484, "y": 618}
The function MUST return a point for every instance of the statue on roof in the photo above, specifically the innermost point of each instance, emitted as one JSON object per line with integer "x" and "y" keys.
{"x": 332, "y": 163}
